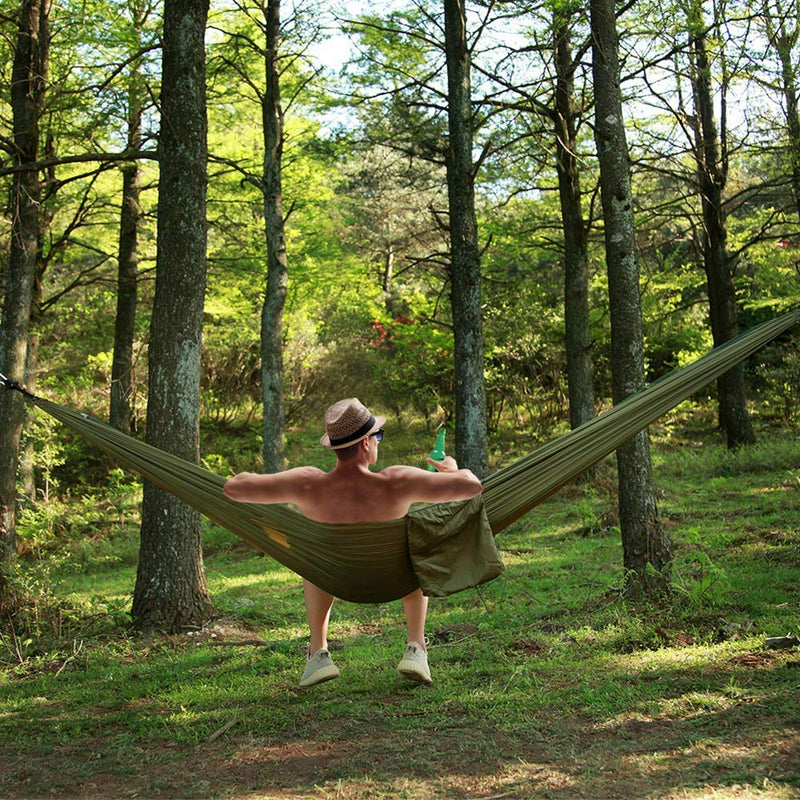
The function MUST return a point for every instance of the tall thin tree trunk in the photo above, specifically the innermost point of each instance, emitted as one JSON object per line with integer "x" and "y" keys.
{"x": 28, "y": 85}
{"x": 171, "y": 592}
{"x": 576, "y": 265}
{"x": 712, "y": 176}
{"x": 120, "y": 411}
{"x": 789, "y": 78}
{"x": 471, "y": 427}
{"x": 645, "y": 543}
{"x": 27, "y": 455}
{"x": 277, "y": 274}
{"x": 388, "y": 275}
{"x": 783, "y": 38}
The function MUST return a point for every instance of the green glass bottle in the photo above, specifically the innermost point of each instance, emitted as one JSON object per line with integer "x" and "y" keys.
{"x": 437, "y": 454}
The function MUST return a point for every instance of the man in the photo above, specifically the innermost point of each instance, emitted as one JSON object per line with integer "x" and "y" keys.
{"x": 352, "y": 493}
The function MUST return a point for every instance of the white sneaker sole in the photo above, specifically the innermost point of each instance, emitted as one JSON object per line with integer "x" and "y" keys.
{"x": 320, "y": 676}
{"x": 413, "y": 671}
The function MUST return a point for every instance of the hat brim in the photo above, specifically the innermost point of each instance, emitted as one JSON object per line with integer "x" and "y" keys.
{"x": 379, "y": 423}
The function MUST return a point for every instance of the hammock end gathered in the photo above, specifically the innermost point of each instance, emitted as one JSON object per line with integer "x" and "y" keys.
{"x": 8, "y": 383}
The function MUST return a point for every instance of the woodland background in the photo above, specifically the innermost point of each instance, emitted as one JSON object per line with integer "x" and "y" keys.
{"x": 552, "y": 681}
{"x": 364, "y": 195}
{"x": 710, "y": 103}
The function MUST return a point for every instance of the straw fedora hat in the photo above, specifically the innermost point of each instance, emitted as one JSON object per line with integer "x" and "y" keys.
{"x": 347, "y": 422}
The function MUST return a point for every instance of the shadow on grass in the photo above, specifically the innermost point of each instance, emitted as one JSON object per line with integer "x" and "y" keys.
{"x": 444, "y": 754}
{"x": 140, "y": 732}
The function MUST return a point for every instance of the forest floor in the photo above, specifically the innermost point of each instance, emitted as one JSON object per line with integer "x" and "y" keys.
{"x": 546, "y": 682}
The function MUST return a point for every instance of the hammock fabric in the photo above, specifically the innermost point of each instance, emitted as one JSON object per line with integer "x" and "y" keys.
{"x": 441, "y": 548}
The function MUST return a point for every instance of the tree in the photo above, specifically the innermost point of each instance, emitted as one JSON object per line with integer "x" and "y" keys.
{"x": 28, "y": 87}
{"x": 408, "y": 108}
{"x": 388, "y": 196}
{"x": 712, "y": 173}
{"x": 171, "y": 591}
{"x": 534, "y": 122}
{"x": 465, "y": 267}
{"x": 120, "y": 411}
{"x": 277, "y": 273}
{"x": 647, "y": 548}
{"x": 781, "y": 22}
{"x": 267, "y": 54}
{"x": 576, "y": 266}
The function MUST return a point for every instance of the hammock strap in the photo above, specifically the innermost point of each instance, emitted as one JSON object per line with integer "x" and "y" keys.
{"x": 14, "y": 386}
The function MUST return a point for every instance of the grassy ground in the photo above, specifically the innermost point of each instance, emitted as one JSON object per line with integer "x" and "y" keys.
{"x": 546, "y": 684}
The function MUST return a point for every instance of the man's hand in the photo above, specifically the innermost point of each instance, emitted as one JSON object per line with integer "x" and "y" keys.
{"x": 447, "y": 464}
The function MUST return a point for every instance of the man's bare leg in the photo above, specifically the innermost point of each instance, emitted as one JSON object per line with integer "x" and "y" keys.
{"x": 414, "y": 664}
{"x": 318, "y": 612}
{"x": 416, "y": 607}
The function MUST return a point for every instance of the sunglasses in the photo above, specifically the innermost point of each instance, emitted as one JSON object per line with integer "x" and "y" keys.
{"x": 378, "y": 435}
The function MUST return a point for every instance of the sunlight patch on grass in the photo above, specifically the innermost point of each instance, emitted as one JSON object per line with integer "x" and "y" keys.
{"x": 254, "y": 580}
{"x": 690, "y": 657}
{"x": 698, "y": 703}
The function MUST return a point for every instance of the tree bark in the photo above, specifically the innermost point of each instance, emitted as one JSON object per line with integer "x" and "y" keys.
{"x": 28, "y": 86}
{"x": 389, "y": 256}
{"x": 121, "y": 411}
{"x": 783, "y": 38}
{"x": 712, "y": 172}
{"x": 277, "y": 274}
{"x": 170, "y": 592}
{"x": 465, "y": 267}
{"x": 27, "y": 453}
{"x": 647, "y": 548}
{"x": 576, "y": 266}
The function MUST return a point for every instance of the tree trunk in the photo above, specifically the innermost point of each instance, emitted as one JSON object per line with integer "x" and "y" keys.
{"x": 576, "y": 267}
{"x": 386, "y": 282}
{"x": 471, "y": 430}
{"x": 784, "y": 39}
{"x": 29, "y": 81}
{"x": 120, "y": 411}
{"x": 277, "y": 275}
{"x": 171, "y": 592}
{"x": 647, "y": 548}
{"x": 27, "y": 454}
{"x": 712, "y": 176}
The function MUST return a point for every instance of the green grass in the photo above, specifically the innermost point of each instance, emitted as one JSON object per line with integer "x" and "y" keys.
{"x": 546, "y": 684}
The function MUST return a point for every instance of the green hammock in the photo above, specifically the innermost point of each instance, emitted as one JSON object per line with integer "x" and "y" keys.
{"x": 441, "y": 548}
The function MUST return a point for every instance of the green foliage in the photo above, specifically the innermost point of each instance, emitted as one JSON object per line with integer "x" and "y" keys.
{"x": 693, "y": 574}
{"x": 39, "y": 436}
{"x": 415, "y": 366}
{"x": 364, "y": 187}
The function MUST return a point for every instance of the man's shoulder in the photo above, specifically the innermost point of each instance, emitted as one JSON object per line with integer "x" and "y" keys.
{"x": 312, "y": 474}
{"x": 307, "y": 472}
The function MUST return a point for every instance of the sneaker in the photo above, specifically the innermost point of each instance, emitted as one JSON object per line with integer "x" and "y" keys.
{"x": 414, "y": 664}
{"x": 318, "y": 669}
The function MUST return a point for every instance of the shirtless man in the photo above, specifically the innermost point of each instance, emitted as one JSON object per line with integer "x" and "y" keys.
{"x": 351, "y": 493}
